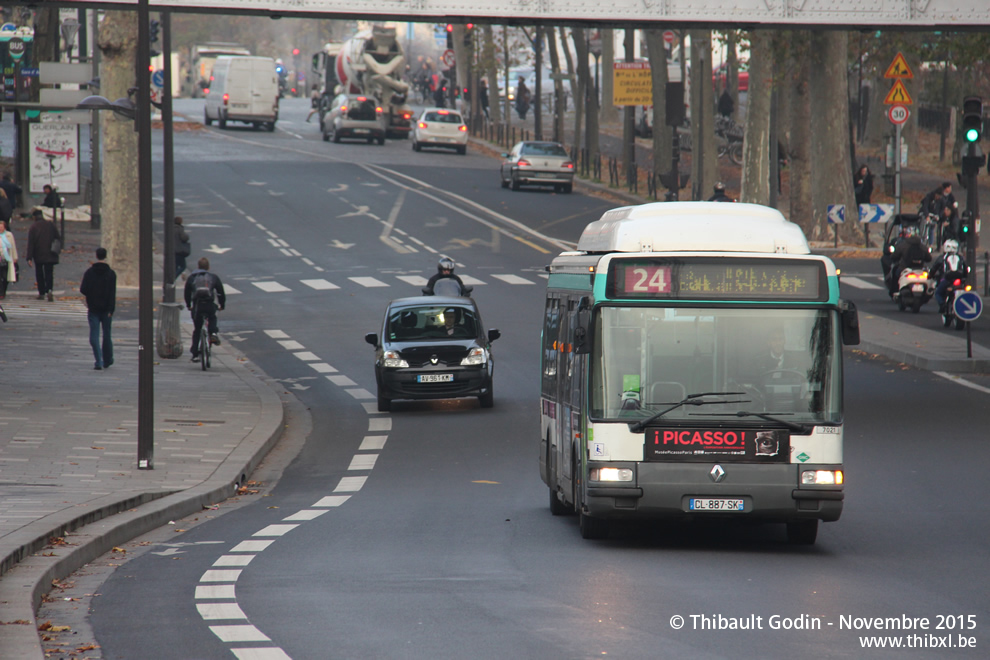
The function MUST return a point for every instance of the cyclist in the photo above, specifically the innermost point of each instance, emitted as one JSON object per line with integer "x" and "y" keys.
{"x": 203, "y": 292}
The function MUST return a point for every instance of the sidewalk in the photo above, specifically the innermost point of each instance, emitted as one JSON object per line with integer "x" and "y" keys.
{"x": 68, "y": 433}
{"x": 68, "y": 436}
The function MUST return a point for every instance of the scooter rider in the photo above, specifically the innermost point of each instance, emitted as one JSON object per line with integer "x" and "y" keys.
{"x": 946, "y": 268}
{"x": 909, "y": 253}
{"x": 445, "y": 269}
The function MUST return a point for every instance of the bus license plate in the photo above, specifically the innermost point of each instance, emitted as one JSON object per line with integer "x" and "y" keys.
{"x": 715, "y": 504}
{"x": 435, "y": 378}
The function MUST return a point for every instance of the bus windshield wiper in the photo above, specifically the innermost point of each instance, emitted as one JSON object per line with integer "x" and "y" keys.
{"x": 689, "y": 400}
{"x": 803, "y": 429}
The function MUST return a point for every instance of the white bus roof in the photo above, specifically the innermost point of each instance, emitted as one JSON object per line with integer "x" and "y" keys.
{"x": 693, "y": 227}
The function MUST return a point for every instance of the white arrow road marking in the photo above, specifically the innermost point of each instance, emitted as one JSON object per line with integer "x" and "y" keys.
{"x": 216, "y": 249}
{"x": 257, "y": 183}
{"x": 343, "y": 246}
{"x": 340, "y": 188}
{"x": 169, "y": 552}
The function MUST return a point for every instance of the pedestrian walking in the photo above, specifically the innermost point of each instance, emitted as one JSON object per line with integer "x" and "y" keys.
{"x": 182, "y": 246}
{"x": 483, "y": 97}
{"x": 8, "y": 259}
{"x": 99, "y": 286}
{"x": 863, "y": 185}
{"x": 523, "y": 98}
{"x": 42, "y": 237}
{"x": 314, "y": 102}
{"x": 726, "y": 106}
{"x": 6, "y": 207}
{"x": 12, "y": 189}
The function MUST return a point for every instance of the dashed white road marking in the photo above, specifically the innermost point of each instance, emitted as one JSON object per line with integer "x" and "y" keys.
{"x": 369, "y": 282}
{"x": 332, "y": 500}
{"x": 270, "y": 653}
{"x": 350, "y": 484}
{"x": 380, "y": 424}
{"x": 233, "y": 560}
{"x": 858, "y": 283}
{"x": 307, "y": 356}
{"x": 271, "y": 287}
{"x": 276, "y": 334}
{"x": 251, "y": 546}
{"x": 215, "y": 591}
{"x": 275, "y": 530}
{"x": 363, "y": 462}
{"x": 220, "y": 576}
{"x": 216, "y": 611}
{"x": 341, "y": 381}
{"x": 246, "y": 633}
{"x": 320, "y": 285}
{"x": 415, "y": 280}
{"x": 373, "y": 443}
{"x": 471, "y": 281}
{"x": 291, "y": 345}
{"x": 322, "y": 367}
{"x": 512, "y": 279}
{"x": 305, "y": 514}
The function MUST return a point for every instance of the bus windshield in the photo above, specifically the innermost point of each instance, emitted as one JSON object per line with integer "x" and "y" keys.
{"x": 785, "y": 361}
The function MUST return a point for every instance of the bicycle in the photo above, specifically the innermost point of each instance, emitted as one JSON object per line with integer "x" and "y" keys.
{"x": 206, "y": 341}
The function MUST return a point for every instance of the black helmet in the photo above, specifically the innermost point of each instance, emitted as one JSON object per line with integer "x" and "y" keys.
{"x": 720, "y": 187}
{"x": 445, "y": 263}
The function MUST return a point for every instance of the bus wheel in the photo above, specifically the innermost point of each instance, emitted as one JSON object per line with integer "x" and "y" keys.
{"x": 802, "y": 532}
{"x": 557, "y": 507}
{"x": 594, "y": 528}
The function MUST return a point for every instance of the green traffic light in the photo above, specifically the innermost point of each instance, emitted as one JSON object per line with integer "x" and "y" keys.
{"x": 972, "y": 135}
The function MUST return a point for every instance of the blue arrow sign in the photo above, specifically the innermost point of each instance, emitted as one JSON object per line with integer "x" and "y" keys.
{"x": 876, "y": 212}
{"x": 836, "y": 213}
{"x": 968, "y": 306}
{"x": 158, "y": 78}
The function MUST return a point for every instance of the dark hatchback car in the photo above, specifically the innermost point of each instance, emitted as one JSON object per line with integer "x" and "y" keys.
{"x": 433, "y": 347}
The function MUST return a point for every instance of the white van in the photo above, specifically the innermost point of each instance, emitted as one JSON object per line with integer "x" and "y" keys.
{"x": 243, "y": 89}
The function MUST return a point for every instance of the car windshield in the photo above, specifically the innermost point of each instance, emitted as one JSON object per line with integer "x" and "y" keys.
{"x": 543, "y": 149}
{"x": 430, "y": 322}
{"x": 443, "y": 117}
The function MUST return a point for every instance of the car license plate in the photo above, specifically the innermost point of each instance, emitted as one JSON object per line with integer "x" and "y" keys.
{"x": 435, "y": 378}
{"x": 715, "y": 504}
{"x": 360, "y": 131}
{"x": 917, "y": 287}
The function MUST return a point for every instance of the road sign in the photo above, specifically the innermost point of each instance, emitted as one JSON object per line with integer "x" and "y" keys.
{"x": 158, "y": 78}
{"x": 837, "y": 213}
{"x": 898, "y": 69}
{"x": 876, "y": 212}
{"x": 898, "y": 114}
{"x": 898, "y": 95}
{"x": 448, "y": 58}
{"x": 668, "y": 37}
{"x": 968, "y": 306}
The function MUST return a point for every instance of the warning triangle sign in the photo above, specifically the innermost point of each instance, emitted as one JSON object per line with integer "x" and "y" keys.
{"x": 898, "y": 95}
{"x": 899, "y": 68}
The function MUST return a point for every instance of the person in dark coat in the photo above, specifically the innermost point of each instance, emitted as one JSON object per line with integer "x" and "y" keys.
{"x": 483, "y": 96}
{"x": 6, "y": 207}
{"x": 12, "y": 189}
{"x": 718, "y": 194}
{"x": 99, "y": 286}
{"x": 52, "y": 199}
{"x": 39, "y": 252}
{"x": 181, "y": 246}
{"x": 863, "y": 184}
{"x": 203, "y": 293}
{"x": 523, "y": 98}
{"x": 726, "y": 106}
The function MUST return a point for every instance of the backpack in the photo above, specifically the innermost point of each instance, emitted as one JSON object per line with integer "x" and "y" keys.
{"x": 203, "y": 289}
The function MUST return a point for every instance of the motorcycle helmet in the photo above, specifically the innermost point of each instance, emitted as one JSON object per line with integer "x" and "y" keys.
{"x": 445, "y": 263}
{"x": 950, "y": 246}
{"x": 719, "y": 187}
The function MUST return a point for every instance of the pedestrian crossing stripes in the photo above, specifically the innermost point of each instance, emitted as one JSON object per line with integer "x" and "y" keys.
{"x": 368, "y": 282}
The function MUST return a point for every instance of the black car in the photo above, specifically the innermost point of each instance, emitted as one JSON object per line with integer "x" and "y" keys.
{"x": 433, "y": 347}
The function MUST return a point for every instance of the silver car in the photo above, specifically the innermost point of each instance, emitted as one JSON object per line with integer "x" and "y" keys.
{"x": 354, "y": 116}
{"x": 538, "y": 164}
{"x": 440, "y": 127}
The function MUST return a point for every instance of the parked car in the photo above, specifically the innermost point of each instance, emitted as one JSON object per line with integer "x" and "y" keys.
{"x": 354, "y": 116}
{"x": 433, "y": 347}
{"x": 537, "y": 164}
{"x": 440, "y": 127}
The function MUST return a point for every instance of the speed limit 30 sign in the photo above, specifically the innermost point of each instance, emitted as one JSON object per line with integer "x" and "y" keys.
{"x": 898, "y": 114}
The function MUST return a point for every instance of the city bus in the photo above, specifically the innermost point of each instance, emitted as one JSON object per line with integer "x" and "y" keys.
{"x": 692, "y": 369}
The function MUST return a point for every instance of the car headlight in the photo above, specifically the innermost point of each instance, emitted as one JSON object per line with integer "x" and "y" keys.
{"x": 476, "y": 356}
{"x": 392, "y": 359}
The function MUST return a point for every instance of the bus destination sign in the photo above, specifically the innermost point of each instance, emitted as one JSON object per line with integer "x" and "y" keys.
{"x": 721, "y": 279}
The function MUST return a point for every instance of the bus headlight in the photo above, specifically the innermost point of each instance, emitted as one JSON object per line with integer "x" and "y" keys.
{"x": 822, "y": 477}
{"x": 611, "y": 474}
{"x": 392, "y": 359}
{"x": 477, "y": 356}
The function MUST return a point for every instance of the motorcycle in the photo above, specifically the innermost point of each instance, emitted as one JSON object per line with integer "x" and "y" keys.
{"x": 957, "y": 285}
{"x": 914, "y": 289}
{"x": 448, "y": 286}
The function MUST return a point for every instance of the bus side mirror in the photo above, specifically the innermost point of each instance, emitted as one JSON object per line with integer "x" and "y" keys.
{"x": 850, "y": 323}
{"x": 582, "y": 327}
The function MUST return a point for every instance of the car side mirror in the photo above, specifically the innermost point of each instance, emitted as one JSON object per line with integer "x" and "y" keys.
{"x": 850, "y": 322}
{"x": 493, "y": 334}
{"x": 372, "y": 338}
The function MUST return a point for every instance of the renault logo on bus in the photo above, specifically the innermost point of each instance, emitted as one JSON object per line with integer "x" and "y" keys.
{"x": 717, "y": 473}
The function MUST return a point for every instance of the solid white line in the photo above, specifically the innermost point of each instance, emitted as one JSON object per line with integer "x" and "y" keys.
{"x": 962, "y": 381}
{"x": 217, "y": 611}
{"x": 215, "y": 591}
{"x": 233, "y": 560}
{"x": 275, "y": 530}
{"x": 239, "y": 634}
{"x": 305, "y": 514}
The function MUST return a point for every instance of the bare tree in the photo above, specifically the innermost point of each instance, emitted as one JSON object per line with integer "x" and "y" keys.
{"x": 756, "y": 143}
{"x": 577, "y": 89}
{"x": 610, "y": 113}
{"x": 831, "y": 181}
{"x": 662, "y": 137}
{"x": 490, "y": 66}
{"x": 799, "y": 142}
{"x": 118, "y": 44}
{"x": 704, "y": 165}
{"x": 559, "y": 98}
{"x": 590, "y": 100}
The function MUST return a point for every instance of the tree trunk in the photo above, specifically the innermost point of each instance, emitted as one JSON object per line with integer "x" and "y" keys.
{"x": 831, "y": 181}
{"x": 491, "y": 70}
{"x": 577, "y": 90}
{"x": 756, "y": 145}
{"x": 590, "y": 100}
{"x": 704, "y": 156}
{"x": 732, "y": 70}
{"x": 559, "y": 98}
{"x": 609, "y": 113}
{"x": 118, "y": 44}
{"x": 662, "y": 140}
{"x": 799, "y": 144}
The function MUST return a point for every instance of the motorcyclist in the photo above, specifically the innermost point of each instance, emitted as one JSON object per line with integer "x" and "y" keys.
{"x": 445, "y": 269}
{"x": 909, "y": 253}
{"x": 719, "y": 194}
{"x": 948, "y": 267}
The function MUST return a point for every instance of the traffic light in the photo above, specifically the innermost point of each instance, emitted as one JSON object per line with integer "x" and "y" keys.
{"x": 966, "y": 224}
{"x": 468, "y": 34}
{"x": 450, "y": 35}
{"x": 972, "y": 118}
{"x": 153, "y": 27}
{"x": 295, "y": 52}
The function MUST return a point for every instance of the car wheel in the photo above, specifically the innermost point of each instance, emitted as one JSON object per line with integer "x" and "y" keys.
{"x": 222, "y": 121}
{"x": 557, "y": 508}
{"x": 326, "y": 136}
{"x": 487, "y": 400}
{"x": 515, "y": 183}
{"x": 802, "y": 532}
{"x": 593, "y": 528}
{"x": 381, "y": 141}
{"x": 270, "y": 127}
{"x": 568, "y": 187}
{"x": 333, "y": 132}
{"x": 384, "y": 404}
{"x": 415, "y": 145}
{"x": 206, "y": 118}
{"x": 462, "y": 150}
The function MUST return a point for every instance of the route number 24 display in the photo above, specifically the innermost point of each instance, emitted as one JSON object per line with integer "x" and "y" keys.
{"x": 648, "y": 279}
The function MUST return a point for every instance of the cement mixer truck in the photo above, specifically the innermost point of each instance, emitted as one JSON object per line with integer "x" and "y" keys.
{"x": 371, "y": 62}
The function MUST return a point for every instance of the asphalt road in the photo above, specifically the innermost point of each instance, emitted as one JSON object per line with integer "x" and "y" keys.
{"x": 447, "y": 549}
